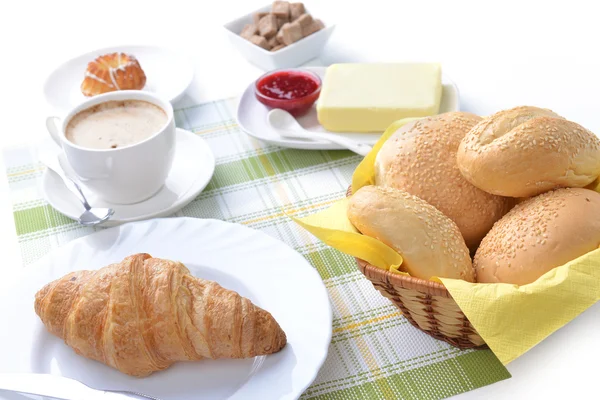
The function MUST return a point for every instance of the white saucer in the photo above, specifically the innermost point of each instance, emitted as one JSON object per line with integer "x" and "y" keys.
{"x": 168, "y": 74}
{"x": 252, "y": 118}
{"x": 193, "y": 167}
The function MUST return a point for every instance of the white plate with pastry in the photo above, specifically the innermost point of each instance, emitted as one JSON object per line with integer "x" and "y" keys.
{"x": 151, "y": 68}
{"x": 167, "y": 312}
{"x": 252, "y": 118}
{"x": 193, "y": 168}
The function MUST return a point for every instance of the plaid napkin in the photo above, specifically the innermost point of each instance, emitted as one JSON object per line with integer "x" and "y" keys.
{"x": 374, "y": 352}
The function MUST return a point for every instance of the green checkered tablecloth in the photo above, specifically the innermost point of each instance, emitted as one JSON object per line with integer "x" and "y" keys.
{"x": 375, "y": 353}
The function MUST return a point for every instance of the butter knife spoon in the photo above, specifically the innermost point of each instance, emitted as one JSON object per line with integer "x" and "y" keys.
{"x": 286, "y": 125}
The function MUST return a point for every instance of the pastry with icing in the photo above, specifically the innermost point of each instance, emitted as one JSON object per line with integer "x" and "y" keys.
{"x": 110, "y": 72}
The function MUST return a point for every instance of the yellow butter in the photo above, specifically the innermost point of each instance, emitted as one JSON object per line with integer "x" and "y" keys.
{"x": 369, "y": 97}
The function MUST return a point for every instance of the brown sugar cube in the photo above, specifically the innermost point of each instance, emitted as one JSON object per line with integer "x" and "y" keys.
{"x": 249, "y": 31}
{"x": 278, "y": 47}
{"x": 296, "y": 10}
{"x": 279, "y": 36}
{"x": 289, "y": 33}
{"x": 273, "y": 42}
{"x": 305, "y": 20}
{"x": 281, "y": 9}
{"x": 260, "y": 41}
{"x": 267, "y": 26}
{"x": 256, "y": 17}
{"x": 281, "y": 22}
{"x": 316, "y": 26}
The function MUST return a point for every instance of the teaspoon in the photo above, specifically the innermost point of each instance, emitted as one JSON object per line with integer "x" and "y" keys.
{"x": 92, "y": 215}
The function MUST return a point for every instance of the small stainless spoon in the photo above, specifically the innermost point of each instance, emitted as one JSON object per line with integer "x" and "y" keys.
{"x": 285, "y": 124}
{"x": 92, "y": 215}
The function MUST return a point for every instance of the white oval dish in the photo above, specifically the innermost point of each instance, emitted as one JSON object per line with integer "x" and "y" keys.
{"x": 252, "y": 119}
{"x": 193, "y": 167}
{"x": 250, "y": 262}
{"x": 168, "y": 74}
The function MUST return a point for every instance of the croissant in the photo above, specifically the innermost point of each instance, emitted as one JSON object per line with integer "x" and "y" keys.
{"x": 110, "y": 72}
{"x": 143, "y": 314}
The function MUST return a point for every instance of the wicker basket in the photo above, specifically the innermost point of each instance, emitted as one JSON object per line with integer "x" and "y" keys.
{"x": 426, "y": 305}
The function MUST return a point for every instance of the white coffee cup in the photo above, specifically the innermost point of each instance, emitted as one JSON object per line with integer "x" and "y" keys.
{"x": 124, "y": 175}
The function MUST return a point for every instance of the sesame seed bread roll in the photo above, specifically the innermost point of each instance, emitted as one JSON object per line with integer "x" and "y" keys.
{"x": 420, "y": 158}
{"x": 429, "y": 242}
{"x": 526, "y": 151}
{"x": 539, "y": 234}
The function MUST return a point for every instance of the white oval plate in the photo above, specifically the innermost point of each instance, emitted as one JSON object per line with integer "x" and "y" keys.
{"x": 168, "y": 74}
{"x": 193, "y": 167}
{"x": 257, "y": 266}
{"x": 252, "y": 118}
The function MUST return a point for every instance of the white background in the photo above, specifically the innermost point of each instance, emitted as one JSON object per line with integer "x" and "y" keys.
{"x": 500, "y": 54}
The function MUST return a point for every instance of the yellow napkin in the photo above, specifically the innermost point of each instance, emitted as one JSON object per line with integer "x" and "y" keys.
{"x": 511, "y": 319}
{"x": 340, "y": 234}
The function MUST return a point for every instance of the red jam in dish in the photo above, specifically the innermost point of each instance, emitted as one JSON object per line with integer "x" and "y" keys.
{"x": 286, "y": 85}
{"x": 291, "y": 90}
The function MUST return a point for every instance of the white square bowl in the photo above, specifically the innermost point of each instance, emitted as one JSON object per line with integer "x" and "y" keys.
{"x": 290, "y": 56}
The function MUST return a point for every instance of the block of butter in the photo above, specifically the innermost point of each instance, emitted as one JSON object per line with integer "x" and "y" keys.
{"x": 369, "y": 97}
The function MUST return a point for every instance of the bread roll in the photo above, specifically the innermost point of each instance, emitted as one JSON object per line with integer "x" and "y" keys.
{"x": 420, "y": 158}
{"x": 539, "y": 234}
{"x": 526, "y": 151}
{"x": 429, "y": 242}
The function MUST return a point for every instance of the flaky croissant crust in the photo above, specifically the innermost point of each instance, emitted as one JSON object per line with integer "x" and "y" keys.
{"x": 143, "y": 314}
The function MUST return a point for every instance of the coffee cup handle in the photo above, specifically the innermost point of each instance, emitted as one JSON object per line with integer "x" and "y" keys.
{"x": 52, "y": 124}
